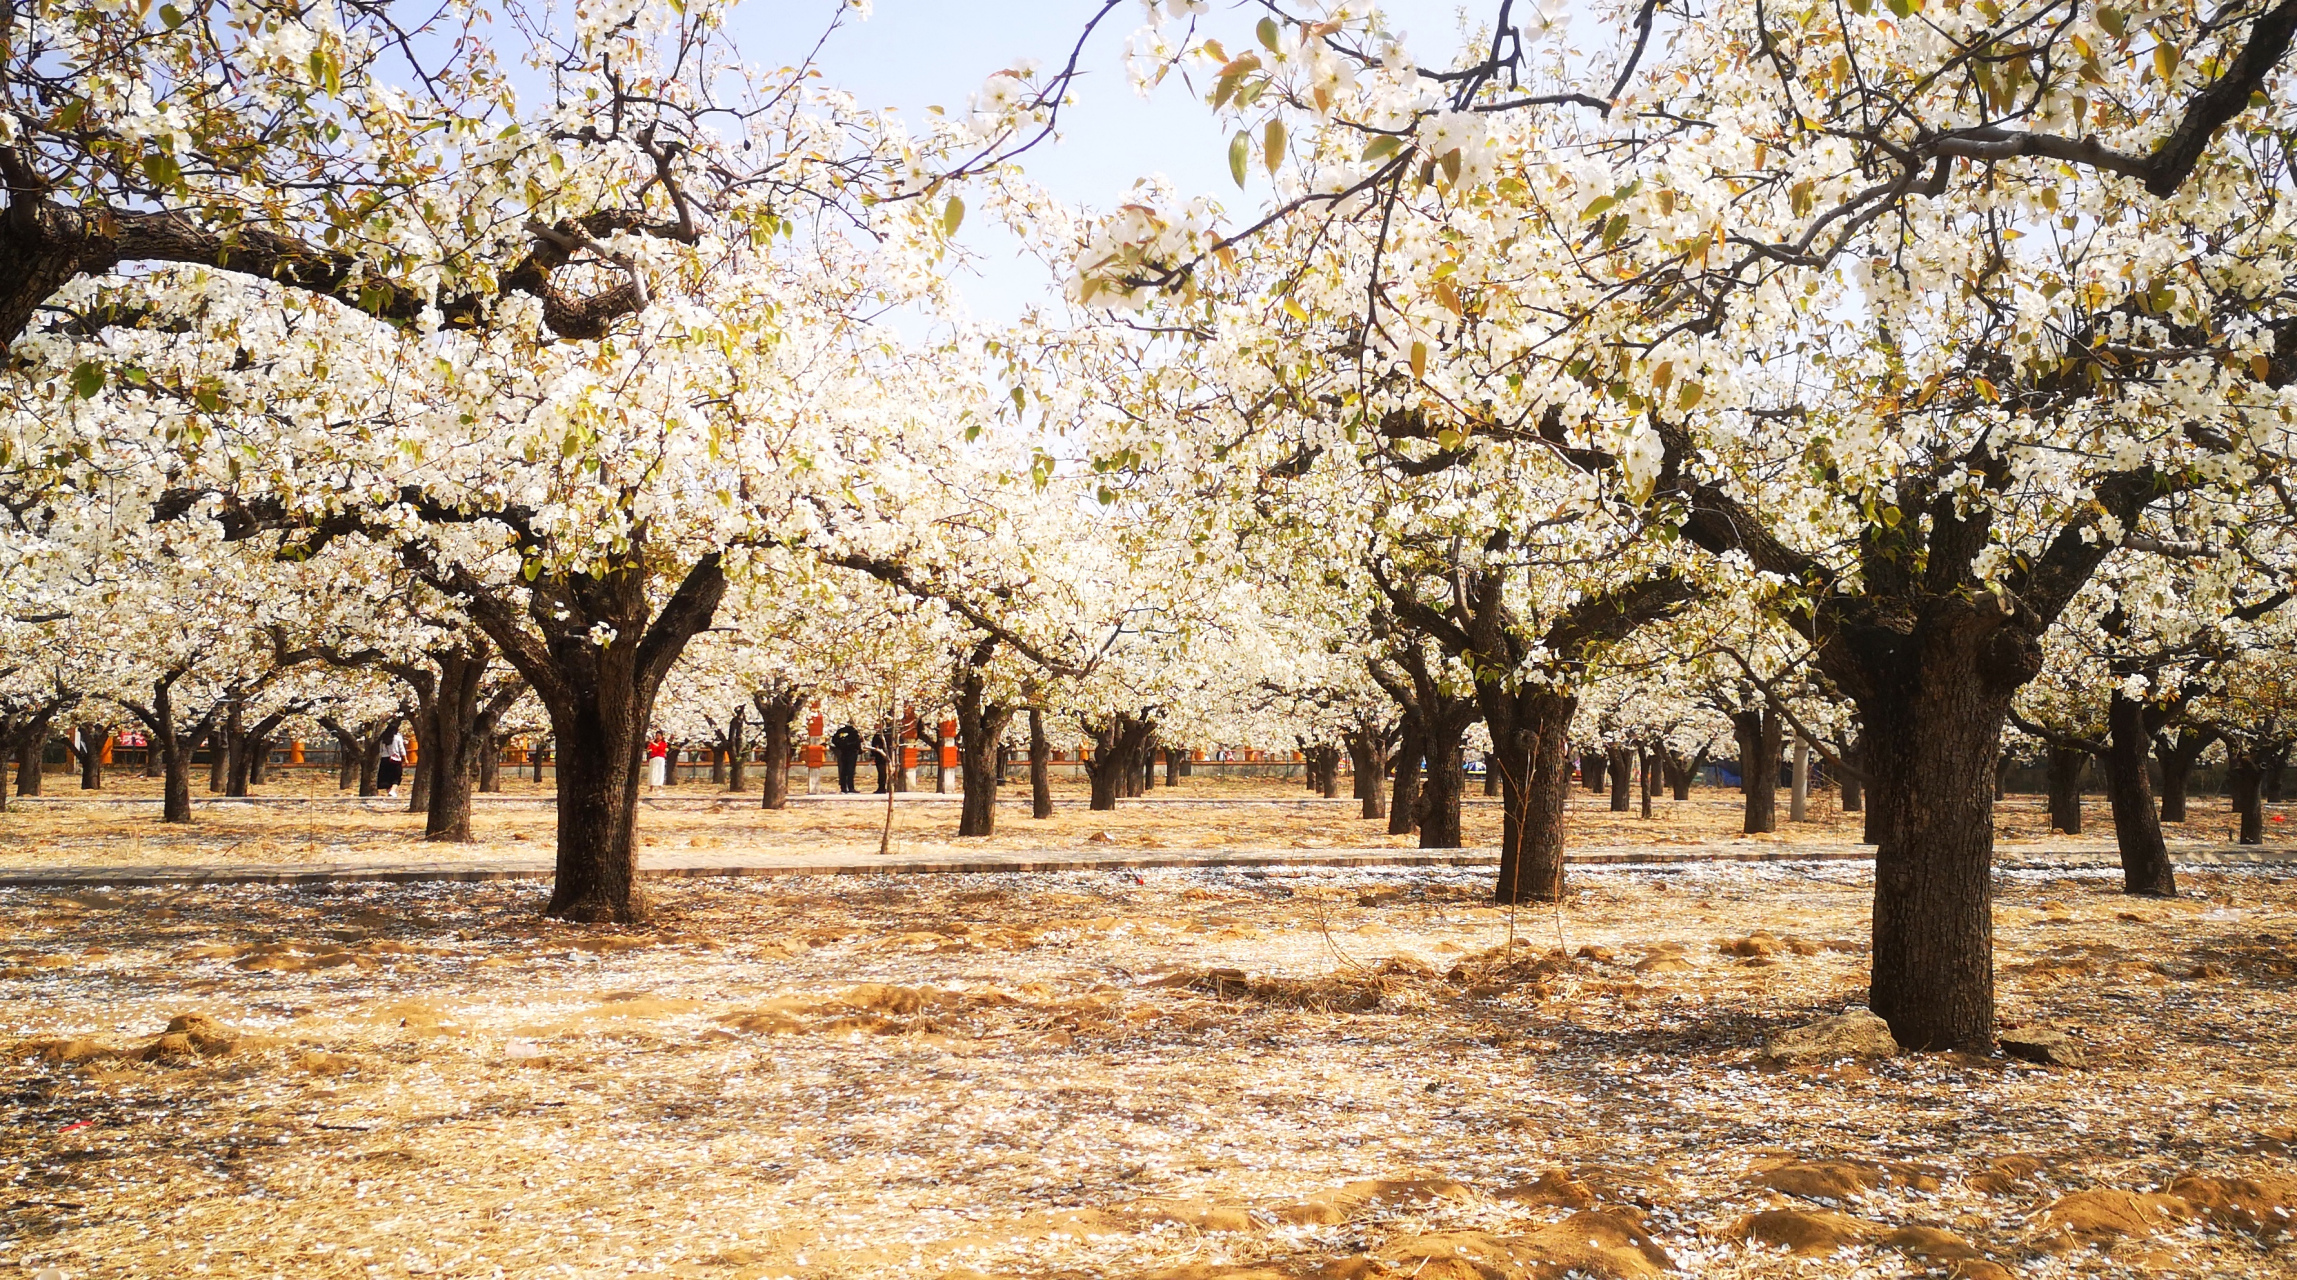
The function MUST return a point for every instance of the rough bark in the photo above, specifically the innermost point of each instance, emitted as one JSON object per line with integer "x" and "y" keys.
{"x": 172, "y": 744}
{"x": 2065, "y": 783}
{"x": 91, "y": 755}
{"x": 1760, "y": 738}
{"x": 1117, "y": 743}
{"x": 1404, "y": 794}
{"x": 1040, "y": 766}
{"x": 1368, "y": 758}
{"x": 981, "y": 724}
{"x": 738, "y": 752}
{"x": 1853, "y": 798}
{"x": 1681, "y": 773}
{"x": 2177, "y": 756}
{"x": 778, "y": 710}
{"x": 1531, "y": 746}
{"x": 2146, "y": 868}
{"x": 2245, "y": 778}
{"x": 1175, "y": 763}
{"x": 1618, "y": 761}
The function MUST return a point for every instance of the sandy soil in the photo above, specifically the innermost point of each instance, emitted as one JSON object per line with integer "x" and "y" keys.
{"x": 64, "y": 829}
{"x": 1183, "y": 1074}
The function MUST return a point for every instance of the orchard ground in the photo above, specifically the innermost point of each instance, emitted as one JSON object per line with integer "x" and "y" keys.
{"x": 1127, "y": 1073}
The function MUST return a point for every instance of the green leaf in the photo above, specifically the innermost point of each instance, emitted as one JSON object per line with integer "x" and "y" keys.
{"x": 2166, "y": 56}
{"x": 1688, "y": 397}
{"x": 1239, "y": 154}
{"x": 1267, "y": 33}
{"x": 1381, "y": 148}
{"x": 172, "y": 16}
{"x": 952, "y": 216}
{"x": 1451, "y": 164}
{"x": 161, "y": 168}
{"x": 1419, "y": 359}
{"x": 1272, "y": 145}
{"x": 1020, "y": 399}
{"x": 1614, "y": 229}
{"x": 87, "y": 380}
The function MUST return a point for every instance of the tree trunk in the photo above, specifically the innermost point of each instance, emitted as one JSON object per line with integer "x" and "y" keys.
{"x": 1852, "y": 800}
{"x": 175, "y": 790}
{"x": 1531, "y": 744}
{"x": 1759, "y": 737}
{"x": 738, "y": 752}
{"x": 220, "y": 746}
{"x": 1592, "y": 767}
{"x": 28, "y": 761}
{"x": 2065, "y": 774}
{"x": 1650, "y": 775}
{"x": 1174, "y": 759}
{"x": 347, "y": 752}
{"x": 600, "y": 698}
{"x": 2177, "y": 757}
{"x": 1328, "y": 762}
{"x": 1114, "y": 766}
{"x": 778, "y": 710}
{"x": 1617, "y": 762}
{"x": 1933, "y": 732}
{"x": 1681, "y": 773}
{"x": 1040, "y": 767}
{"x": 418, "y": 776}
{"x": 92, "y": 739}
{"x": 2137, "y": 827}
{"x": 2276, "y": 764}
{"x": 451, "y": 739}
{"x": 1404, "y": 796}
{"x": 2245, "y": 778}
{"x": 1148, "y": 768}
{"x": 1441, "y": 791}
{"x": 238, "y": 745}
{"x": 1368, "y": 758}
{"x": 980, "y": 728}
{"x": 371, "y": 757}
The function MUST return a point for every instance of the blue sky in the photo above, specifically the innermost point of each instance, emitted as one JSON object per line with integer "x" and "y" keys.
{"x": 912, "y": 54}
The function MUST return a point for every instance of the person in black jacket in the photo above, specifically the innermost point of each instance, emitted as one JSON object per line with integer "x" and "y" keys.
{"x": 880, "y": 754}
{"x": 845, "y": 744}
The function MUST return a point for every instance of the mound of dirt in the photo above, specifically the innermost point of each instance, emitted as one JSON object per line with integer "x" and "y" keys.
{"x": 2009, "y": 1175}
{"x": 1933, "y": 1243}
{"x": 1841, "y": 1180}
{"x": 1608, "y": 1246}
{"x": 1856, "y": 1033}
{"x": 2263, "y": 1206}
{"x": 189, "y": 1037}
{"x": 2045, "y": 1045}
{"x": 1763, "y": 943}
{"x": 1346, "y": 992}
{"x": 1804, "y": 1233}
{"x": 1556, "y": 1189}
{"x": 67, "y": 1051}
{"x": 2112, "y": 1214}
{"x": 1350, "y": 1200}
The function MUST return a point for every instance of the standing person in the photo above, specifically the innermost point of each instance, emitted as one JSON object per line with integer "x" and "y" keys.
{"x": 394, "y": 765}
{"x": 881, "y": 751}
{"x": 846, "y": 745}
{"x": 657, "y": 759}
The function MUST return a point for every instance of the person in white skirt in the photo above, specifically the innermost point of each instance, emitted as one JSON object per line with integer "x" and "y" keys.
{"x": 657, "y": 759}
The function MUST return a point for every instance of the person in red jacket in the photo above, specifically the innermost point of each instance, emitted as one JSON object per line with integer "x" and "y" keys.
{"x": 657, "y": 759}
